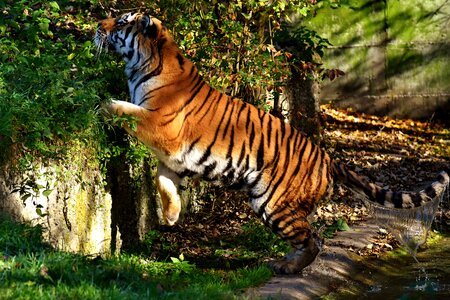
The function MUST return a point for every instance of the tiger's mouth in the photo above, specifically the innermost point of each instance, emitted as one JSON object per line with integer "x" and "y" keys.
{"x": 102, "y": 42}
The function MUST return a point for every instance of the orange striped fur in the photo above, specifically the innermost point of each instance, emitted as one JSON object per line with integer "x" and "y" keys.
{"x": 197, "y": 131}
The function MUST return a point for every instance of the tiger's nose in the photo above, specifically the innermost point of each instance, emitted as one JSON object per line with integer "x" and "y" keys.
{"x": 106, "y": 25}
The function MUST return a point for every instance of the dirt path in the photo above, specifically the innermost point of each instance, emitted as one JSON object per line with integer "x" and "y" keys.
{"x": 333, "y": 268}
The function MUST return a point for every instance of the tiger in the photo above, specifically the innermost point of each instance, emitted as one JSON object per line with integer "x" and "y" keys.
{"x": 196, "y": 131}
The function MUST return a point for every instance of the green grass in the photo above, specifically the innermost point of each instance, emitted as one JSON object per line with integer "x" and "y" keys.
{"x": 30, "y": 269}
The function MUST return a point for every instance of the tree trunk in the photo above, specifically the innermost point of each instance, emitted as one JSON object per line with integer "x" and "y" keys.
{"x": 302, "y": 105}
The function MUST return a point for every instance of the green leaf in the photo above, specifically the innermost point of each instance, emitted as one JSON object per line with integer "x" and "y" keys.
{"x": 54, "y": 5}
{"x": 46, "y": 193}
{"x": 342, "y": 225}
{"x": 25, "y": 197}
{"x": 175, "y": 260}
{"x": 30, "y": 283}
{"x": 44, "y": 25}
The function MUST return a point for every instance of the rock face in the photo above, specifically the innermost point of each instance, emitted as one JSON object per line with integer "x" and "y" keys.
{"x": 75, "y": 217}
{"x": 81, "y": 210}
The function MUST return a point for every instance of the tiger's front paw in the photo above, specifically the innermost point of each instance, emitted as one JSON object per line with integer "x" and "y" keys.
{"x": 107, "y": 108}
{"x": 171, "y": 216}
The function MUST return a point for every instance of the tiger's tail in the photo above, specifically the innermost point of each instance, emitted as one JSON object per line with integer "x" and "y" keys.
{"x": 386, "y": 197}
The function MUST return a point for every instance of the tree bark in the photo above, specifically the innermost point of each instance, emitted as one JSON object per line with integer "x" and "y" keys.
{"x": 302, "y": 97}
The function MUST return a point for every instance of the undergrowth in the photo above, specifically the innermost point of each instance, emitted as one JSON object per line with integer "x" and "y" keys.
{"x": 29, "y": 269}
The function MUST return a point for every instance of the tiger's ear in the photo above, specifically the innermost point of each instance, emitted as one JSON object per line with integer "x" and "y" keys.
{"x": 149, "y": 28}
{"x": 146, "y": 21}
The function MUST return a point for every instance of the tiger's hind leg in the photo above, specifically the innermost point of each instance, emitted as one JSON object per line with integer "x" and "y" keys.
{"x": 294, "y": 228}
{"x": 167, "y": 183}
{"x": 301, "y": 256}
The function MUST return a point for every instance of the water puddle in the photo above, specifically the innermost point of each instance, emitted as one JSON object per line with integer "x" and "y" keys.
{"x": 429, "y": 278}
{"x": 399, "y": 276}
{"x": 424, "y": 274}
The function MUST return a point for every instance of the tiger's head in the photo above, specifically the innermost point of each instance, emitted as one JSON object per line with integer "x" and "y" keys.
{"x": 130, "y": 35}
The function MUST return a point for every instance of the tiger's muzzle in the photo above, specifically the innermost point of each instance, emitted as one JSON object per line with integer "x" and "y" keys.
{"x": 101, "y": 40}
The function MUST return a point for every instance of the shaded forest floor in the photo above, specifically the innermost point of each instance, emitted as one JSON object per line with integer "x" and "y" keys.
{"x": 223, "y": 232}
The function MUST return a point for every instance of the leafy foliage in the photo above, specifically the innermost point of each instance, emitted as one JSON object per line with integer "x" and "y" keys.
{"x": 51, "y": 83}
{"x": 235, "y": 44}
{"x": 50, "y": 88}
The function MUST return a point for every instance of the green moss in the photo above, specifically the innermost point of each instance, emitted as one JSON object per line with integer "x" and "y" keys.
{"x": 417, "y": 21}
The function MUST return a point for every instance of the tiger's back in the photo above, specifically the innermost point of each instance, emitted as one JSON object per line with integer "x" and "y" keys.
{"x": 195, "y": 130}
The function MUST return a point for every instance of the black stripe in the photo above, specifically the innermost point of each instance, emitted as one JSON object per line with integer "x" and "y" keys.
{"x": 242, "y": 154}
{"x": 278, "y": 181}
{"x": 180, "y": 61}
{"x": 274, "y": 186}
{"x": 228, "y": 167}
{"x": 252, "y": 135}
{"x": 247, "y": 162}
{"x": 269, "y": 132}
{"x": 260, "y": 154}
{"x": 175, "y": 113}
{"x": 146, "y": 97}
{"x": 186, "y": 173}
{"x": 430, "y": 191}
{"x": 261, "y": 115}
{"x": 276, "y": 152}
{"x": 296, "y": 170}
{"x": 231, "y": 144}
{"x": 157, "y": 71}
{"x": 151, "y": 31}
{"x": 252, "y": 184}
{"x": 416, "y": 199}
{"x": 230, "y": 117}
{"x": 294, "y": 237}
{"x": 208, "y": 170}
{"x": 283, "y": 129}
{"x": 129, "y": 54}
{"x": 191, "y": 147}
{"x": 211, "y": 103}
{"x": 397, "y": 199}
{"x": 205, "y": 101}
{"x": 207, "y": 153}
{"x": 311, "y": 158}
{"x": 142, "y": 66}
{"x": 320, "y": 169}
{"x": 241, "y": 109}
{"x": 194, "y": 94}
{"x": 128, "y": 31}
{"x": 248, "y": 119}
{"x": 276, "y": 223}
